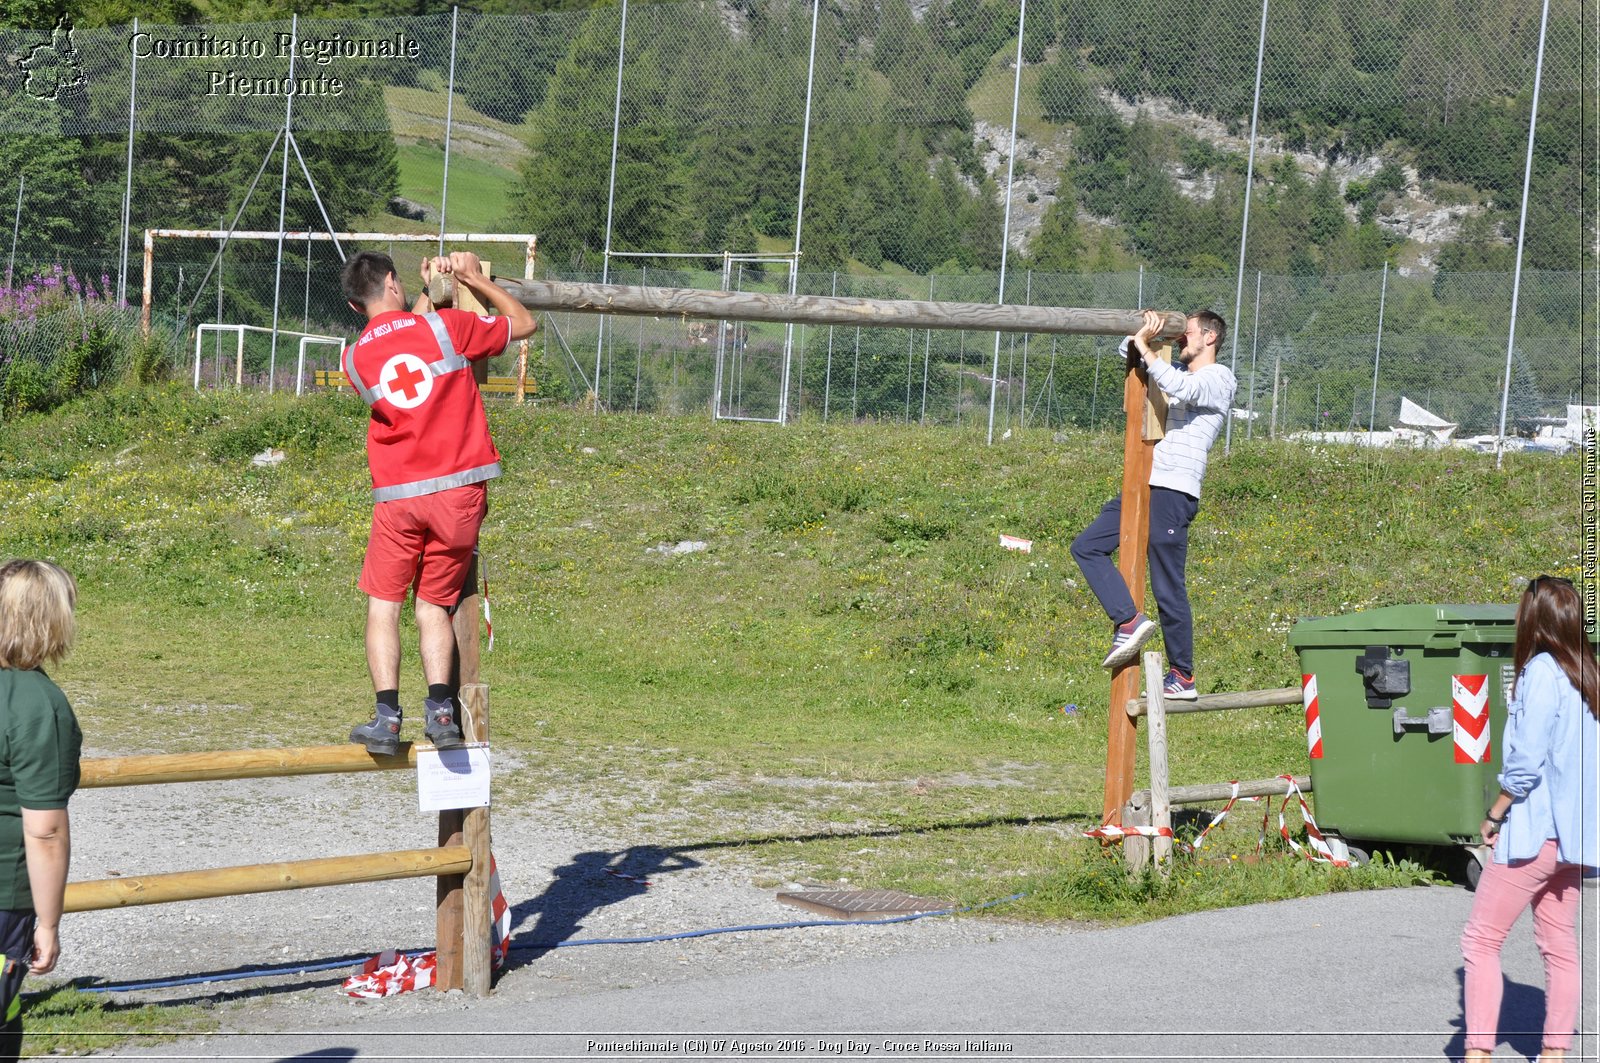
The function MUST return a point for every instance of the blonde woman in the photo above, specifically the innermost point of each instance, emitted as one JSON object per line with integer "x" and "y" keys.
{"x": 39, "y": 746}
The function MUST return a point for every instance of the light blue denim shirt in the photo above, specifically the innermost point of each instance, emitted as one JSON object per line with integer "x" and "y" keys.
{"x": 1550, "y": 757}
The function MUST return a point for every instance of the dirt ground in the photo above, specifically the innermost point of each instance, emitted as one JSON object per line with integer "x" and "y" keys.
{"x": 566, "y": 881}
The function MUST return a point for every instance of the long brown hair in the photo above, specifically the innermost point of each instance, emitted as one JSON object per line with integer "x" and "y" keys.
{"x": 1550, "y": 620}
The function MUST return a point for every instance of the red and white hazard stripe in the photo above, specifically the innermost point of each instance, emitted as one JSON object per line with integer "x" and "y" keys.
{"x": 499, "y": 918}
{"x": 1308, "y": 693}
{"x": 1112, "y": 832}
{"x": 1322, "y": 853}
{"x": 1469, "y": 698}
{"x": 1233, "y": 799}
{"x": 392, "y": 972}
{"x": 1319, "y": 850}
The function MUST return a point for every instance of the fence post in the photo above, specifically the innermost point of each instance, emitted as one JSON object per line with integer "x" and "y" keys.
{"x": 1156, "y": 735}
{"x": 1377, "y": 355}
{"x": 1136, "y": 847}
{"x": 477, "y": 914}
{"x": 127, "y": 187}
{"x": 1255, "y": 337}
{"x": 449, "y": 898}
{"x": 449, "y": 121}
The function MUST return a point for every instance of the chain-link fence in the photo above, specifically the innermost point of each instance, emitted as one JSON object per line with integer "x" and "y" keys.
{"x": 713, "y": 145}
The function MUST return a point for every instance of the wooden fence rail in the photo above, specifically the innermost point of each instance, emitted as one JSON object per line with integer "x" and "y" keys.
{"x": 1249, "y": 699}
{"x": 265, "y": 878}
{"x": 460, "y": 863}
{"x": 240, "y": 764}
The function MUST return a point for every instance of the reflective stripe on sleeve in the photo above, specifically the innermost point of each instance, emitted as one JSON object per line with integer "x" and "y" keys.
{"x": 368, "y": 395}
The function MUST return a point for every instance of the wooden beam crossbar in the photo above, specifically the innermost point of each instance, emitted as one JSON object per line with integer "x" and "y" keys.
{"x": 699, "y": 303}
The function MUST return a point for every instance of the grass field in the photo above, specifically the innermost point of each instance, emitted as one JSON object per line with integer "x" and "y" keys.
{"x": 479, "y": 191}
{"x": 853, "y": 649}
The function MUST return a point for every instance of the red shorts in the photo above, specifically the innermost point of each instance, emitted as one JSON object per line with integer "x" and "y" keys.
{"x": 426, "y": 541}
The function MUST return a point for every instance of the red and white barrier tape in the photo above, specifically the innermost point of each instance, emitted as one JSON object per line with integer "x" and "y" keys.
{"x": 1234, "y": 799}
{"x": 1314, "y": 838}
{"x": 1320, "y": 852}
{"x": 1112, "y": 832}
{"x": 391, "y": 972}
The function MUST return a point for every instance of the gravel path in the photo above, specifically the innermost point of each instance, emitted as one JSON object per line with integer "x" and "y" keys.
{"x": 553, "y": 872}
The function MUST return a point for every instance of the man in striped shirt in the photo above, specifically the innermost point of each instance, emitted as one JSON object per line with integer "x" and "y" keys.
{"x": 1199, "y": 392}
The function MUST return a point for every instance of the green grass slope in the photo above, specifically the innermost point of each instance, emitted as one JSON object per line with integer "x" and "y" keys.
{"x": 852, "y": 652}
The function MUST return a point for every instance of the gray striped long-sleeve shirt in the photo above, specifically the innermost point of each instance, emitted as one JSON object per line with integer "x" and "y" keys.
{"x": 1197, "y": 408}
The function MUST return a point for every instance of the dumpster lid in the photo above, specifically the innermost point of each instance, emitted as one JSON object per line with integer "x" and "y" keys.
{"x": 1395, "y": 623}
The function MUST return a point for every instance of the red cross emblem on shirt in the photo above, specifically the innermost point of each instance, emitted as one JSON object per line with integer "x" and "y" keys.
{"x": 405, "y": 381}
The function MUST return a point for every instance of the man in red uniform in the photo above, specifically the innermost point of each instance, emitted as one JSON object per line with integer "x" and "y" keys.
{"x": 431, "y": 458}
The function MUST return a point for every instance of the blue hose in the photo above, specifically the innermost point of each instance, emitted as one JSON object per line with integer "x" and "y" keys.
{"x": 330, "y": 965}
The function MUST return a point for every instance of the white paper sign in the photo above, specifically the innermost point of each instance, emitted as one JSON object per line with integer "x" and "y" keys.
{"x": 453, "y": 778}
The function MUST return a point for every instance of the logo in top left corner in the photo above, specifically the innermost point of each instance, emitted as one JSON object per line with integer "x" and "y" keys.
{"x": 54, "y": 68}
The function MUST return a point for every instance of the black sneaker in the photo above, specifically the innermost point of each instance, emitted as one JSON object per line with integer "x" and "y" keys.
{"x": 440, "y": 725}
{"x": 381, "y": 734}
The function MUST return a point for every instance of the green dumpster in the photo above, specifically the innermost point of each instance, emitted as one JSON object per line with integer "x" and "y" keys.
{"x": 1405, "y": 709}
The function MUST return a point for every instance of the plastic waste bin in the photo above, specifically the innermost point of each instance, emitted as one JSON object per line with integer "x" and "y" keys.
{"x": 1405, "y": 708}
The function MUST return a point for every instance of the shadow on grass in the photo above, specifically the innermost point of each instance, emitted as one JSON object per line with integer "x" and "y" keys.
{"x": 880, "y": 832}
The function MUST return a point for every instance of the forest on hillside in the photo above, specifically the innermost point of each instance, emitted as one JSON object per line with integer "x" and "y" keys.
{"x": 710, "y": 146}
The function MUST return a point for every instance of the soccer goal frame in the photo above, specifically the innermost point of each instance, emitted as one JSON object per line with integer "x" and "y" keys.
{"x": 724, "y": 373}
{"x": 306, "y": 339}
{"x": 527, "y": 241}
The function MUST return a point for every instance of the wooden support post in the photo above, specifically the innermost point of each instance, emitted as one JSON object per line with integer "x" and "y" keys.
{"x": 449, "y": 895}
{"x": 522, "y": 347}
{"x": 477, "y": 915}
{"x": 466, "y": 299}
{"x": 1146, "y": 410}
{"x": 1136, "y": 847}
{"x": 1156, "y": 735}
{"x": 147, "y": 293}
{"x": 1121, "y": 730}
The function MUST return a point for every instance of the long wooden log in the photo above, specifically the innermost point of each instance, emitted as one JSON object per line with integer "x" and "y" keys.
{"x": 1207, "y": 793}
{"x": 1247, "y": 699}
{"x": 813, "y": 309}
{"x": 265, "y": 878}
{"x": 239, "y": 764}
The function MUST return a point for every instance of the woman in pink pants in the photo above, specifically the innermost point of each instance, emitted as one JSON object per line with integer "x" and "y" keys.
{"x": 1543, "y": 824}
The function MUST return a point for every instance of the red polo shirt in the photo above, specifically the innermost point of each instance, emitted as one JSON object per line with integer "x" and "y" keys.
{"x": 428, "y": 431}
